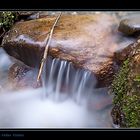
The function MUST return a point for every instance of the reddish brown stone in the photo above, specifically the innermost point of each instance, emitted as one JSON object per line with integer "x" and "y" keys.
{"x": 88, "y": 41}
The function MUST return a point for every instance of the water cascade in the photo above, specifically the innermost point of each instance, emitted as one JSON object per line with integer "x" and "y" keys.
{"x": 68, "y": 98}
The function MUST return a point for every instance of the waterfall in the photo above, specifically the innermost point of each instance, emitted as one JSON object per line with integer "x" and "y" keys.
{"x": 60, "y": 79}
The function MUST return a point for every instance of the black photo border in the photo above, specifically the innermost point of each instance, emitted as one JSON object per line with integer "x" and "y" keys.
{"x": 71, "y": 5}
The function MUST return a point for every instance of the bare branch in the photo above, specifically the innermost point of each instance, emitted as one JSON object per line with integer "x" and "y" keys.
{"x": 49, "y": 37}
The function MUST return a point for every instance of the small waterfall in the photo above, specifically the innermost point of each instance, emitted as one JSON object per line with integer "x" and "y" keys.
{"x": 81, "y": 87}
{"x": 62, "y": 79}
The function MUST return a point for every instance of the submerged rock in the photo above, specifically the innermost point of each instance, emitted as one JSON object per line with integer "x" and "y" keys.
{"x": 22, "y": 76}
{"x": 130, "y": 25}
{"x": 88, "y": 41}
{"x": 126, "y": 88}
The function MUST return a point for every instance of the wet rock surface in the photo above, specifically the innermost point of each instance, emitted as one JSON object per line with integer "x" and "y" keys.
{"x": 121, "y": 55}
{"x": 105, "y": 100}
{"x": 88, "y": 41}
{"x": 21, "y": 76}
{"x": 130, "y": 25}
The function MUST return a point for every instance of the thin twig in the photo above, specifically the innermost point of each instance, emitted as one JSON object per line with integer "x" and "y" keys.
{"x": 49, "y": 37}
{"x": 3, "y": 33}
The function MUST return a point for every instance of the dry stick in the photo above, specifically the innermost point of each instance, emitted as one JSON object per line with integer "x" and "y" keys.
{"x": 49, "y": 37}
{"x": 3, "y": 33}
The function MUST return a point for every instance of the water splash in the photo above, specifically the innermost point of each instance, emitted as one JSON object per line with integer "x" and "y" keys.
{"x": 26, "y": 109}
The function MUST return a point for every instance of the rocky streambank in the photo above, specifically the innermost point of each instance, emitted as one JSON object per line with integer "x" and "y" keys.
{"x": 126, "y": 84}
{"x": 126, "y": 88}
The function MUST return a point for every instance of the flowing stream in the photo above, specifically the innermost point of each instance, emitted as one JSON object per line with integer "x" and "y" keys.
{"x": 68, "y": 99}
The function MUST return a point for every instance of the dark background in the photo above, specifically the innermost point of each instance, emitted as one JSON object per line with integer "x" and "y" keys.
{"x": 70, "y": 4}
{"x": 84, "y": 134}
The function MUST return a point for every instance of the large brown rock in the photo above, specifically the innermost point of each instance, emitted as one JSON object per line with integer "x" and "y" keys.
{"x": 88, "y": 41}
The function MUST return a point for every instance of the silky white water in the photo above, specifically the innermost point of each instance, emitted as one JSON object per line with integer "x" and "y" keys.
{"x": 68, "y": 99}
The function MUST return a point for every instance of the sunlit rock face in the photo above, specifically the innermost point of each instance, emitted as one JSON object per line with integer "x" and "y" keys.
{"x": 88, "y": 41}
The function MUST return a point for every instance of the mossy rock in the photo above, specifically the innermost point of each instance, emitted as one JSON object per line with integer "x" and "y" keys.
{"x": 126, "y": 90}
{"x": 7, "y": 19}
